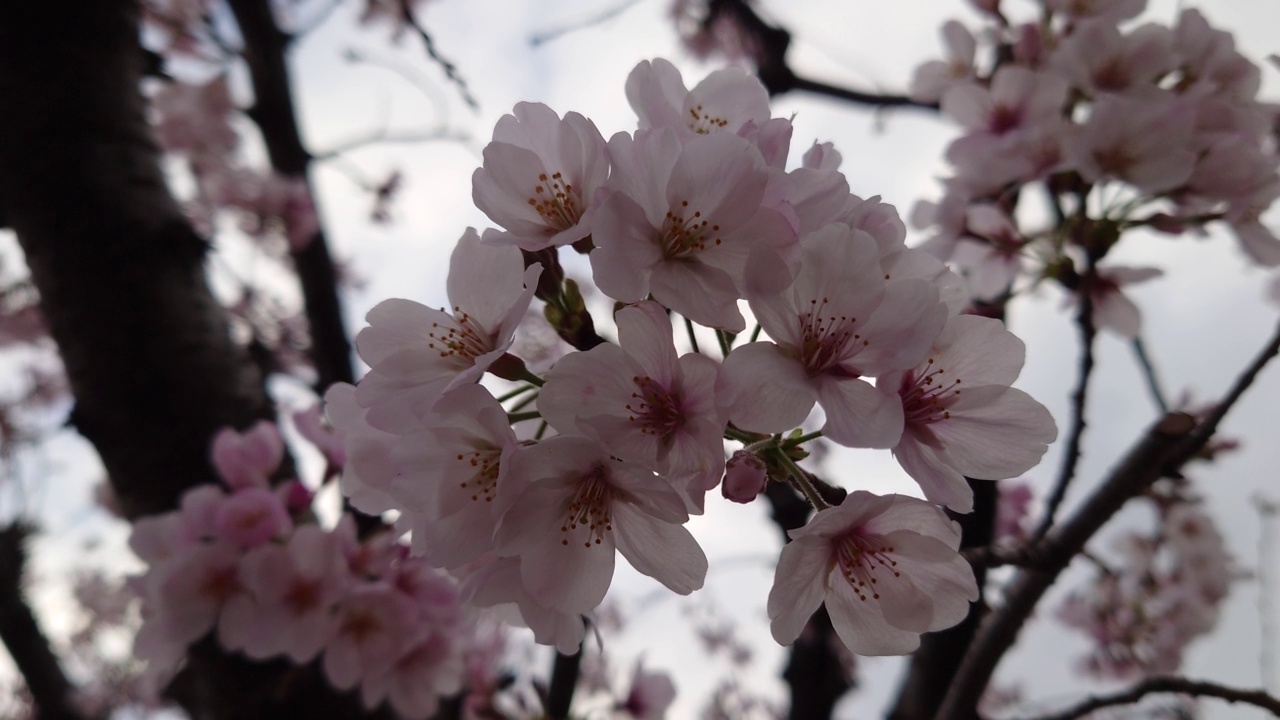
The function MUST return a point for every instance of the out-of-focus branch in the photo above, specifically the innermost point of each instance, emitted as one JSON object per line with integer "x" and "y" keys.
{"x": 1149, "y": 373}
{"x": 1197, "y": 688}
{"x": 450, "y": 70}
{"x": 265, "y": 47}
{"x": 564, "y": 681}
{"x": 1161, "y": 452}
{"x": 27, "y": 645}
{"x": 1071, "y": 454}
{"x": 769, "y": 53}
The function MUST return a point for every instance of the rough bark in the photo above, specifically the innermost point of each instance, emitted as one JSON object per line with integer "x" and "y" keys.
{"x": 121, "y": 276}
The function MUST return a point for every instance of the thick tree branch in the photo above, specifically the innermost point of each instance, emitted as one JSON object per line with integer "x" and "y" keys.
{"x": 27, "y": 645}
{"x": 1161, "y": 452}
{"x": 1257, "y": 698}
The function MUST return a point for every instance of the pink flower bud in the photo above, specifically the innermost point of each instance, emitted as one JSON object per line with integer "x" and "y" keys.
{"x": 251, "y": 517}
{"x": 247, "y": 459}
{"x": 295, "y": 495}
{"x": 744, "y": 477}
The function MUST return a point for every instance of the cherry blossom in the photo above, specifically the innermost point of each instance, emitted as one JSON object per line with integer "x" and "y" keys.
{"x": 839, "y": 322}
{"x": 642, "y": 402}
{"x": 415, "y": 352}
{"x": 540, "y": 176}
{"x": 567, "y": 504}
{"x": 727, "y": 99}
{"x": 962, "y": 418}
{"x": 886, "y": 567}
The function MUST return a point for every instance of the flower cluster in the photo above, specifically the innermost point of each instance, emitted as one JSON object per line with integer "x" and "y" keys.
{"x": 242, "y": 561}
{"x": 691, "y": 214}
{"x": 1151, "y": 126}
{"x": 1142, "y": 615}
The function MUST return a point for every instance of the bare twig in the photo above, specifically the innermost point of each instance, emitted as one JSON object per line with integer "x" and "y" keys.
{"x": 1197, "y": 688}
{"x": 1071, "y": 454}
{"x": 383, "y": 136}
{"x": 548, "y": 35}
{"x": 450, "y": 70}
{"x": 1149, "y": 372}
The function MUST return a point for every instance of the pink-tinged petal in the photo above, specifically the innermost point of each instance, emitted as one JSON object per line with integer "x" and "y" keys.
{"x": 700, "y": 292}
{"x": 764, "y": 389}
{"x": 586, "y": 384}
{"x": 571, "y": 577}
{"x": 1258, "y": 242}
{"x": 980, "y": 351}
{"x": 908, "y": 513}
{"x": 1117, "y": 312}
{"x": 396, "y": 325}
{"x": 485, "y": 280}
{"x": 941, "y": 483}
{"x": 499, "y": 189}
{"x": 664, "y": 551}
{"x": 799, "y": 585}
{"x": 644, "y": 332}
{"x": 996, "y": 433}
{"x": 859, "y": 415}
{"x": 625, "y": 252}
{"x": 861, "y": 624}
{"x": 902, "y": 329}
{"x": 904, "y": 605}
{"x": 656, "y": 93}
{"x": 720, "y": 175}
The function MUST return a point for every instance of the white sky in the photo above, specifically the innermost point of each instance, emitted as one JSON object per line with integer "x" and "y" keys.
{"x": 1204, "y": 319}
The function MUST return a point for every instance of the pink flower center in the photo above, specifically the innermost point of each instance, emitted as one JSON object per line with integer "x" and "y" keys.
{"x": 655, "y": 408}
{"x": 465, "y": 340}
{"x": 826, "y": 338}
{"x": 590, "y": 508}
{"x": 926, "y": 397}
{"x": 860, "y": 558}
{"x": 683, "y": 237}
{"x": 481, "y": 472}
{"x": 555, "y": 200}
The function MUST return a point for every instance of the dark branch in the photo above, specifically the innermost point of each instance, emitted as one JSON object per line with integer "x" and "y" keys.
{"x": 1149, "y": 373}
{"x": 27, "y": 645}
{"x": 450, "y": 70}
{"x": 1257, "y": 698}
{"x": 564, "y": 680}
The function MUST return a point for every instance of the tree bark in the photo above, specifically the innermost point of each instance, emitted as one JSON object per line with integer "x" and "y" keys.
{"x": 146, "y": 346}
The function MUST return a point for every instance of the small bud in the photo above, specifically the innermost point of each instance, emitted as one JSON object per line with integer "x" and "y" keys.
{"x": 744, "y": 477}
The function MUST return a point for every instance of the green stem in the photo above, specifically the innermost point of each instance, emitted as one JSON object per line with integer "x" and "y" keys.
{"x": 800, "y": 480}
{"x": 516, "y": 417}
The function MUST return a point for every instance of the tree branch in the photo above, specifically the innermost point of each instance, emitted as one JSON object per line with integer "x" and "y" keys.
{"x": 27, "y": 645}
{"x": 1161, "y": 452}
{"x": 1257, "y": 698}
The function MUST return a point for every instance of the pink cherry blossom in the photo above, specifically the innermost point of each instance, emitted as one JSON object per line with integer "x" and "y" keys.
{"x": 368, "y": 470}
{"x": 541, "y": 175}
{"x": 887, "y": 568}
{"x": 448, "y": 473}
{"x": 568, "y": 504}
{"x": 415, "y": 352}
{"x": 728, "y": 99}
{"x": 642, "y": 402}
{"x": 650, "y": 696}
{"x": 962, "y": 418}
{"x": 1144, "y": 141}
{"x": 373, "y": 620}
{"x": 494, "y": 582}
{"x": 839, "y": 322}
{"x": 251, "y": 517}
{"x": 933, "y": 78}
{"x": 685, "y": 225}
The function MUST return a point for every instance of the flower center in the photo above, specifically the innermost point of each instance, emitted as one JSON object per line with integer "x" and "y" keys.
{"x": 703, "y": 123}
{"x": 860, "y": 558}
{"x": 683, "y": 237}
{"x": 480, "y": 474}
{"x": 555, "y": 200}
{"x": 826, "y": 337}
{"x": 655, "y": 408}
{"x": 926, "y": 396}
{"x": 590, "y": 509}
{"x": 463, "y": 340}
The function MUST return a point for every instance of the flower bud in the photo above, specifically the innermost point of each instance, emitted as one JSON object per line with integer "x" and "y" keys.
{"x": 744, "y": 477}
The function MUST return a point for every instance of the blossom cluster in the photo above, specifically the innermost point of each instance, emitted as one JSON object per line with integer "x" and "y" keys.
{"x": 1168, "y": 591}
{"x": 1151, "y": 126}
{"x": 694, "y": 214}
{"x": 245, "y": 562}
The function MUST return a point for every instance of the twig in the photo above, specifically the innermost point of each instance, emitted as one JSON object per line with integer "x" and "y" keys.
{"x": 1149, "y": 372}
{"x": 450, "y": 70}
{"x": 1071, "y": 455}
{"x": 549, "y": 35}
{"x": 1198, "y": 688}
{"x": 1162, "y": 451}
{"x": 382, "y": 136}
